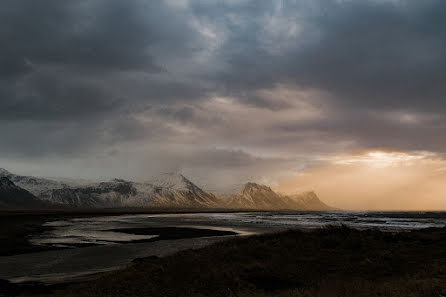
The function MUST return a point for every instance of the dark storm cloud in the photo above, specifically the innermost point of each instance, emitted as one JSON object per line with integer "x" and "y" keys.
{"x": 55, "y": 53}
{"x": 73, "y": 74}
{"x": 380, "y": 55}
{"x": 102, "y": 35}
{"x": 43, "y": 96}
{"x": 97, "y": 75}
{"x": 386, "y": 54}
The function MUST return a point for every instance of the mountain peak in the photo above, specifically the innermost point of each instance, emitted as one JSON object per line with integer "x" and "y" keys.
{"x": 251, "y": 186}
{"x": 172, "y": 180}
{"x": 4, "y": 172}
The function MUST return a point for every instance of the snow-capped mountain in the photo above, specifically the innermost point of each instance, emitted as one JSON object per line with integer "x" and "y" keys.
{"x": 12, "y": 196}
{"x": 169, "y": 190}
{"x": 35, "y": 185}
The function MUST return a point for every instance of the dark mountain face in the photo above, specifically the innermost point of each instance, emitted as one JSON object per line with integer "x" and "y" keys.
{"x": 12, "y": 196}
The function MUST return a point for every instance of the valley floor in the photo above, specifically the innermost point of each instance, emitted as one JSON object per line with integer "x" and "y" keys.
{"x": 328, "y": 262}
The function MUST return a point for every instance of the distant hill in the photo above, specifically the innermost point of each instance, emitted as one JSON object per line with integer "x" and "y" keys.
{"x": 261, "y": 197}
{"x": 170, "y": 190}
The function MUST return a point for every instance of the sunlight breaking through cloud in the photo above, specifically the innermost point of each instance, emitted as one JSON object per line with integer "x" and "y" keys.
{"x": 376, "y": 180}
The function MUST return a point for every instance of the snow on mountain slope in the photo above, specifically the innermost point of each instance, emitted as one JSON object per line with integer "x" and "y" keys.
{"x": 172, "y": 181}
{"x": 168, "y": 190}
{"x": 12, "y": 196}
{"x": 35, "y": 185}
{"x": 255, "y": 196}
{"x": 175, "y": 190}
{"x": 104, "y": 195}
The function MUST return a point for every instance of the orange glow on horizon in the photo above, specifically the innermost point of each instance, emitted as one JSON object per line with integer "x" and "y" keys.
{"x": 376, "y": 180}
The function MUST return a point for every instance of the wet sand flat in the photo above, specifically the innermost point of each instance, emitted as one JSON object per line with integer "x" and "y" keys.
{"x": 71, "y": 264}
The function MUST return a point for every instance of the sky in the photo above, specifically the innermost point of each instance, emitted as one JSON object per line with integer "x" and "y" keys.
{"x": 229, "y": 91}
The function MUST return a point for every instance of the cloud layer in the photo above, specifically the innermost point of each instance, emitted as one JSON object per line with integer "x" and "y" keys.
{"x": 219, "y": 89}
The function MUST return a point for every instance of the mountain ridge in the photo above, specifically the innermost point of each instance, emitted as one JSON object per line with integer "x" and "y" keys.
{"x": 169, "y": 190}
{"x": 261, "y": 197}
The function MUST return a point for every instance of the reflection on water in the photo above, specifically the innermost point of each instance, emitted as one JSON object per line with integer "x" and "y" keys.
{"x": 90, "y": 231}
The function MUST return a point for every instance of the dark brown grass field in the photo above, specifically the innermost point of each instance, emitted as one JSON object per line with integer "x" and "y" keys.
{"x": 329, "y": 262}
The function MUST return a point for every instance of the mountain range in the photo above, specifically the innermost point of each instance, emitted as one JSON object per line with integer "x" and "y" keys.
{"x": 169, "y": 190}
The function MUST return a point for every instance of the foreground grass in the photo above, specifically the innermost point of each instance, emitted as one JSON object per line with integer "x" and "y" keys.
{"x": 328, "y": 262}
